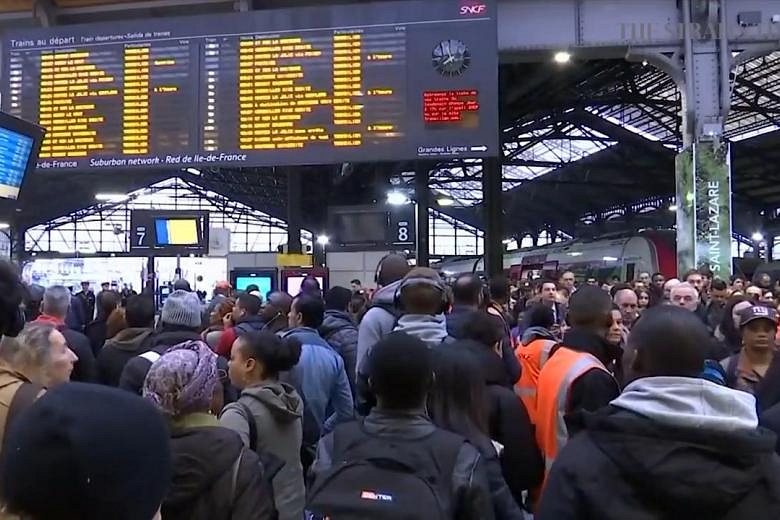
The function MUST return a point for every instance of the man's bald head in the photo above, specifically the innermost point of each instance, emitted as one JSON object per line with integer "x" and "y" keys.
{"x": 279, "y": 302}
{"x": 391, "y": 268}
{"x": 467, "y": 290}
{"x": 628, "y": 303}
{"x": 669, "y": 341}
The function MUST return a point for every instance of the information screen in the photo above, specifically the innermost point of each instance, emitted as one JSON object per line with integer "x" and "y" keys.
{"x": 262, "y": 282}
{"x": 19, "y": 145}
{"x": 315, "y": 85}
{"x": 169, "y": 232}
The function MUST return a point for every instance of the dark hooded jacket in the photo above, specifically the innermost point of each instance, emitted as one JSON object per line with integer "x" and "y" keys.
{"x": 771, "y": 419}
{"x": 340, "y": 331}
{"x": 469, "y": 479}
{"x": 120, "y": 349}
{"x": 456, "y": 322}
{"x": 137, "y": 367}
{"x": 521, "y": 461}
{"x": 210, "y": 482}
{"x": 668, "y": 448}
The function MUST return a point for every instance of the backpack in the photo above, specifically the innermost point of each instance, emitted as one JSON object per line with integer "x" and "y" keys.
{"x": 271, "y": 463}
{"x": 382, "y": 478}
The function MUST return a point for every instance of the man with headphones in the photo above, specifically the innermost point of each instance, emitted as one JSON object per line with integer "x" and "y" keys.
{"x": 422, "y": 300}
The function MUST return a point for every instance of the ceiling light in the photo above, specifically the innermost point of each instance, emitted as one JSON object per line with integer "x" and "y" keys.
{"x": 396, "y": 198}
{"x": 562, "y": 57}
{"x": 323, "y": 240}
{"x": 110, "y": 197}
{"x": 193, "y": 171}
{"x": 4, "y": 225}
{"x": 673, "y": 207}
{"x": 507, "y": 241}
{"x": 758, "y": 236}
{"x": 575, "y": 253}
{"x": 610, "y": 259}
{"x": 445, "y": 201}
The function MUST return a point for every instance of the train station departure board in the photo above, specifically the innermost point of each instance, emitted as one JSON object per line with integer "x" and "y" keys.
{"x": 363, "y": 82}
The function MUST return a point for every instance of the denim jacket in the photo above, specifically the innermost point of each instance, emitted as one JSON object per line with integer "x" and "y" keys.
{"x": 321, "y": 379}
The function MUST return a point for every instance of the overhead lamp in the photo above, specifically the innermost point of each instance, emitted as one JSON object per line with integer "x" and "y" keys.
{"x": 193, "y": 171}
{"x": 758, "y": 236}
{"x": 323, "y": 240}
{"x": 110, "y": 197}
{"x": 445, "y": 202}
{"x": 397, "y": 198}
{"x": 610, "y": 259}
{"x": 576, "y": 253}
{"x": 673, "y": 207}
{"x": 4, "y": 225}
{"x": 562, "y": 57}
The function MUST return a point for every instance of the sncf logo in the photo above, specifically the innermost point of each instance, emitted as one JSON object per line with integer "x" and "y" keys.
{"x": 471, "y": 9}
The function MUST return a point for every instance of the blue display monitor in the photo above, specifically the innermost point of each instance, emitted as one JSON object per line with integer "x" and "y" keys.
{"x": 20, "y": 143}
{"x": 264, "y": 283}
{"x": 264, "y": 279}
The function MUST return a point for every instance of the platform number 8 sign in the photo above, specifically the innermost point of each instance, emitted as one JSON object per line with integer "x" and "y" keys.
{"x": 403, "y": 231}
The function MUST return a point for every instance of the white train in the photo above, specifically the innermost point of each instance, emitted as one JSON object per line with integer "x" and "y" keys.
{"x": 600, "y": 258}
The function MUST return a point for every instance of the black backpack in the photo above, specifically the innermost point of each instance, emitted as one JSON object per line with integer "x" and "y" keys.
{"x": 381, "y": 478}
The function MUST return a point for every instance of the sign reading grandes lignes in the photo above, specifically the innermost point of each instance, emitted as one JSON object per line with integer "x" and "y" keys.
{"x": 363, "y": 82}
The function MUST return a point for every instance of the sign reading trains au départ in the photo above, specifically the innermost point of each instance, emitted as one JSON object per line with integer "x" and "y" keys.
{"x": 316, "y": 85}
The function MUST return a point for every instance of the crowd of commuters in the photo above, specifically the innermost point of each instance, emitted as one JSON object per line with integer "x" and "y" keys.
{"x": 561, "y": 399}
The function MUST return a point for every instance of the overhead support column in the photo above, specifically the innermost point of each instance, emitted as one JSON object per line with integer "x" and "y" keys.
{"x": 294, "y": 211}
{"x": 704, "y": 166}
{"x": 494, "y": 212}
{"x": 422, "y": 194}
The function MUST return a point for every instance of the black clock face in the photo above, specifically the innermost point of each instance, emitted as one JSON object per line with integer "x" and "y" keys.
{"x": 451, "y": 58}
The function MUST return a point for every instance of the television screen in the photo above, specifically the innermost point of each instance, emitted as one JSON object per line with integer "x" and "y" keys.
{"x": 177, "y": 231}
{"x": 162, "y": 232}
{"x": 361, "y": 227}
{"x": 294, "y": 284}
{"x": 19, "y": 145}
{"x": 263, "y": 282}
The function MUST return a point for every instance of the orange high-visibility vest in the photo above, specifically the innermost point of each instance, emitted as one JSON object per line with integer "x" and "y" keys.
{"x": 532, "y": 358}
{"x": 552, "y": 399}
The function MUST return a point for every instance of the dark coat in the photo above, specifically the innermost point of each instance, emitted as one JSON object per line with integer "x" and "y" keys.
{"x": 768, "y": 392}
{"x": 456, "y": 322}
{"x": 596, "y": 388}
{"x": 771, "y": 419}
{"x": 85, "y": 369}
{"x": 134, "y": 373}
{"x": 340, "y": 331}
{"x": 120, "y": 349}
{"x": 469, "y": 479}
{"x": 521, "y": 461}
{"x": 204, "y": 472}
{"x": 96, "y": 332}
{"x": 625, "y": 466}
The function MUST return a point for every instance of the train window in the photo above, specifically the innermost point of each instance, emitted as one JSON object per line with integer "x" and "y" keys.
{"x": 630, "y": 268}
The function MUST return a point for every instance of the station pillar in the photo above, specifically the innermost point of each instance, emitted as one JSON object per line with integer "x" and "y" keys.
{"x": 703, "y": 167}
{"x": 294, "y": 196}
{"x": 492, "y": 191}
{"x": 422, "y": 194}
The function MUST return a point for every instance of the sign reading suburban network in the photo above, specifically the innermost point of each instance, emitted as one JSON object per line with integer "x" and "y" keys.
{"x": 362, "y": 82}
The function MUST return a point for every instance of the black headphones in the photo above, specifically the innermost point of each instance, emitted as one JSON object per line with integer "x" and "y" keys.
{"x": 408, "y": 282}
